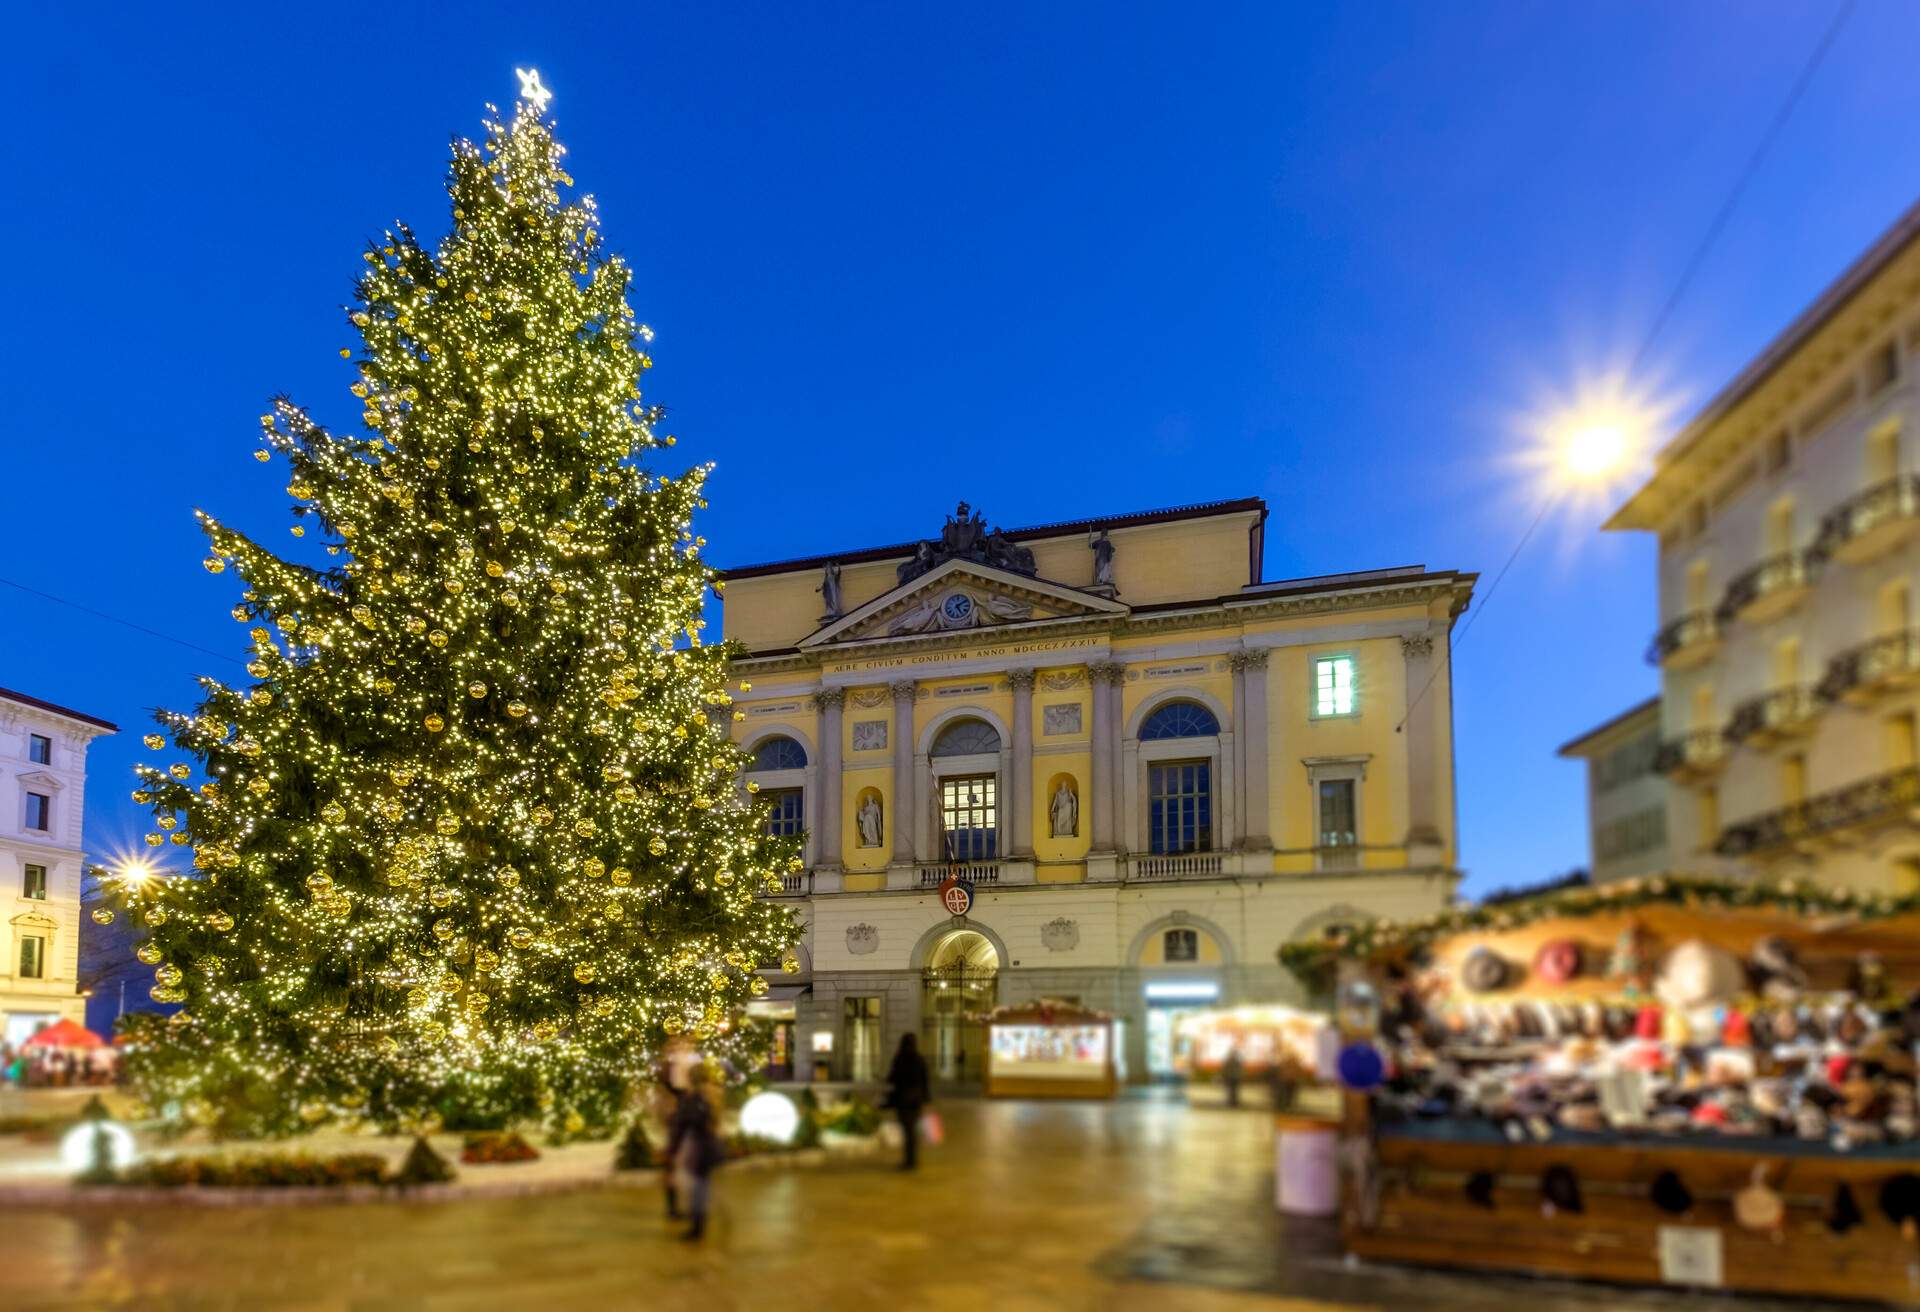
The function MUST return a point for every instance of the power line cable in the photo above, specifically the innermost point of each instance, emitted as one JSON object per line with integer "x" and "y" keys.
{"x": 129, "y": 624}
{"x": 1687, "y": 274}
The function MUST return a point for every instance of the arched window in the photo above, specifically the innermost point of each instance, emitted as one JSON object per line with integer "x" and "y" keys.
{"x": 779, "y": 754}
{"x": 1179, "y": 720}
{"x": 966, "y": 738}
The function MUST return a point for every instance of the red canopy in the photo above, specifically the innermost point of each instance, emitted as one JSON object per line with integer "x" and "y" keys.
{"x": 65, "y": 1034}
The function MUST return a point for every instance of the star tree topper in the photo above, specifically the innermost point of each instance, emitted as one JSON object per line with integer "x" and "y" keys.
{"x": 531, "y": 90}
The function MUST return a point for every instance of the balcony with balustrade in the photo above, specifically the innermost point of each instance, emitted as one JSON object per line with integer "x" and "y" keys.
{"x": 1692, "y": 757}
{"x": 1837, "y": 816}
{"x": 1687, "y": 642}
{"x": 1770, "y": 589}
{"x": 1864, "y": 674}
{"x": 1773, "y": 717}
{"x": 1866, "y": 526}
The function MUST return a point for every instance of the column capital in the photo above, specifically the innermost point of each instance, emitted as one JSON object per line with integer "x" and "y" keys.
{"x": 829, "y": 697}
{"x": 904, "y": 690}
{"x": 1250, "y": 658}
{"x": 1112, "y": 672}
{"x": 1416, "y": 645}
{"x": 1021, "y": 679}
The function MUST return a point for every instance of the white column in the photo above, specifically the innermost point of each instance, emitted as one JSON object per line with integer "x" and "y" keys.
{"x": 828, "y": 777}
{"x": 905, "y": 818}
{"x": 1104, "y": 676}
{"x": 1250, "y": 734}
{"x": 1425, "y": 834}
{"x": 1020, "y": 777}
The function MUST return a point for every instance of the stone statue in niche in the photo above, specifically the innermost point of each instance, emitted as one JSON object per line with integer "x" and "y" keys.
{"x": 829, "y": 590}
{"x": 1102, "y": 548}
{"x": 1064, "y": 812}
{"x": 870, "y": 821}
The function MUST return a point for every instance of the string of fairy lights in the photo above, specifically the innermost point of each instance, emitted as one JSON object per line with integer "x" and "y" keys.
{"x": 473, "y": 821}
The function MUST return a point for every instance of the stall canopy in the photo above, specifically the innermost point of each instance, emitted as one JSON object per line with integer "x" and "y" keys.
{"x": 65, "y": 1034}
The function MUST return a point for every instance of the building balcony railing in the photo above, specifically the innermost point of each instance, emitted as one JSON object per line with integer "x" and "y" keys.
{"x": 1690, "y": 640}
{"x": 1692, "y": 756}
{"x": 1892, "y": 798}
{"x": 800, "y": 885}
{"x": 1872, "y": 523}
{"x": 932, "y": 874}
{"x": 1773, "y": 717}
{"x": 1175, "y": 867}
{"x": 1862, "y": 674}
{"x": 1769, "y": 590}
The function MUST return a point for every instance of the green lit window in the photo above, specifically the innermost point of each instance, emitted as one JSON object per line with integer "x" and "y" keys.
{"x": 1333, "y": 685}
{"x": 33, "y": 956}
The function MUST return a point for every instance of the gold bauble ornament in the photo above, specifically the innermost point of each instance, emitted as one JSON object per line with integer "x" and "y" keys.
{"x": 447, "y": 825}
{"x": 154, "y": 840}
{"x": 478, "y": 1002}
{"x": 584, "y": 827}
{"x": 616, "y": 912}
{"x": 657, "y": 845}
{"x": 440, "y": 895}
{"x": 625, "y": 792}
{"x": 418, "y": 997}
{"x": 593, "y": 867}
{"x": 239, "y": 614}
{"x": 180, "y": 771}
{"x": 333, "y": 813}
{"x": 154, "y": 742}
{"x": 509, "y": 877}
{"x": 516, "y": 709}
{"x": 485, "y": 959}
{"x": 319, "y": 883}
{"x": 434, "y": 723}
{"x": 723, "y": 878}
{"x": 215, "y": 565}
{"x": 622, "y": 876}
{"x": 476, "y": 690}
{"x": 545, "y": 1030}
{"x": 259, "y": 786}
{"x": 433, "y": 1032}
{"x": 219, "y": 922}
{"x": 521, "y": 939}
{"x": 448, "y": 984}
{"x": 541, "y": 815}
{"x": 443, "y": 929}
{"x": 103, "y": 915}
{"x": 166, "y": 822}
{"x": 438, "y": 638}
{"x": 169, "y": 974}
{"x": 415, "y": 625}
{"x": 260, "y": 697}
{"x": 148, "y": 953}
{"x": 758, "y": 985}
{"x": 790, "y": 965}
{"x": 510, "y": 599}
{"x": 584, "y": 972}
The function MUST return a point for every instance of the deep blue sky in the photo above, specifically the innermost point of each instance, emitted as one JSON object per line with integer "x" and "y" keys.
{"x": 1059, "y": 260}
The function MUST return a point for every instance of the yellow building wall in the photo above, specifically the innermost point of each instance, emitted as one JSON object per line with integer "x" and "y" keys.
{"x": 1191, "y": 559}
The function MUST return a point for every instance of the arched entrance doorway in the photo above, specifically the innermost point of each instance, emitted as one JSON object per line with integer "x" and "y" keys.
{"x": 958, "y": 987}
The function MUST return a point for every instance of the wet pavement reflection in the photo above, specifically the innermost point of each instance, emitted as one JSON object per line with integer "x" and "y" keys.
{"x": 1139, "y": 1203}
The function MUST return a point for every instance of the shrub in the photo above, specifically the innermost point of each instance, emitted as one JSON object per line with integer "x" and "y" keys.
{"x": 858, "y": 1117}
{"x": 636, "y": 1149}
{"x": 275, "y": 1171}
{"x": 422, "y": 1166}
{"x": 494, "y": 1147}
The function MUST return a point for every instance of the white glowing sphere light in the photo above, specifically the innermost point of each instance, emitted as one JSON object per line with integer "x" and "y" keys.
{"x": 76, "y": 1146}
{"x": 770, "y": 1115}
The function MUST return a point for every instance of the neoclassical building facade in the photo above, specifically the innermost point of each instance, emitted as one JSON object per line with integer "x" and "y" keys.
{"x": 1150, "y": 767}
{"x": 43, "y": 781}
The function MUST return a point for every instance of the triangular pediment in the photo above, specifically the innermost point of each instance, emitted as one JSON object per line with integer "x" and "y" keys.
{"x": 959, "y": 596}
{"x": 41, "y": 779}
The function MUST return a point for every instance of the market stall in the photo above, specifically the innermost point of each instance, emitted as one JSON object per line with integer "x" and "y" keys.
{"x": 1699, "y": 1083}
{"x": 1048, "y": 1049}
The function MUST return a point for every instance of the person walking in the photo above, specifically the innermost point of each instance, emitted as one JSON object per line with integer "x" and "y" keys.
{"x": 667, "y": 1097}
{"x": 1230, "y": 1072}
{"x": 695, "y": 1150}
{"x": 908, "y": 1094}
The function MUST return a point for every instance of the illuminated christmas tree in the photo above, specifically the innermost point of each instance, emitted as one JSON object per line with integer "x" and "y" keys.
{"x": 470, "y": 840}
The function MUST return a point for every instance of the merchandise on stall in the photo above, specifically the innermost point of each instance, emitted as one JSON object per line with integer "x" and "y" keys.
{"x": 1050, "y": 1049}
{"x": 1620, "y": 1065}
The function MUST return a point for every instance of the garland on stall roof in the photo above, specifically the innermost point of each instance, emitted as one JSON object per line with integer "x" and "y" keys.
{"x": 1312, "y": 960}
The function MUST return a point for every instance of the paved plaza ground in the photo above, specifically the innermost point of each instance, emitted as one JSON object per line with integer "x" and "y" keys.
{"x": 1142, "y": 1203}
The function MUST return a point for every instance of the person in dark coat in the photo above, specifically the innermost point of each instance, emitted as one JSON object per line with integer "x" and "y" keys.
{"x": 1231, "y": 1071}
{"x": 667, "y": 1099}
{"x": 694, "y": 1148}
{"x": 908, "y": 1094}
